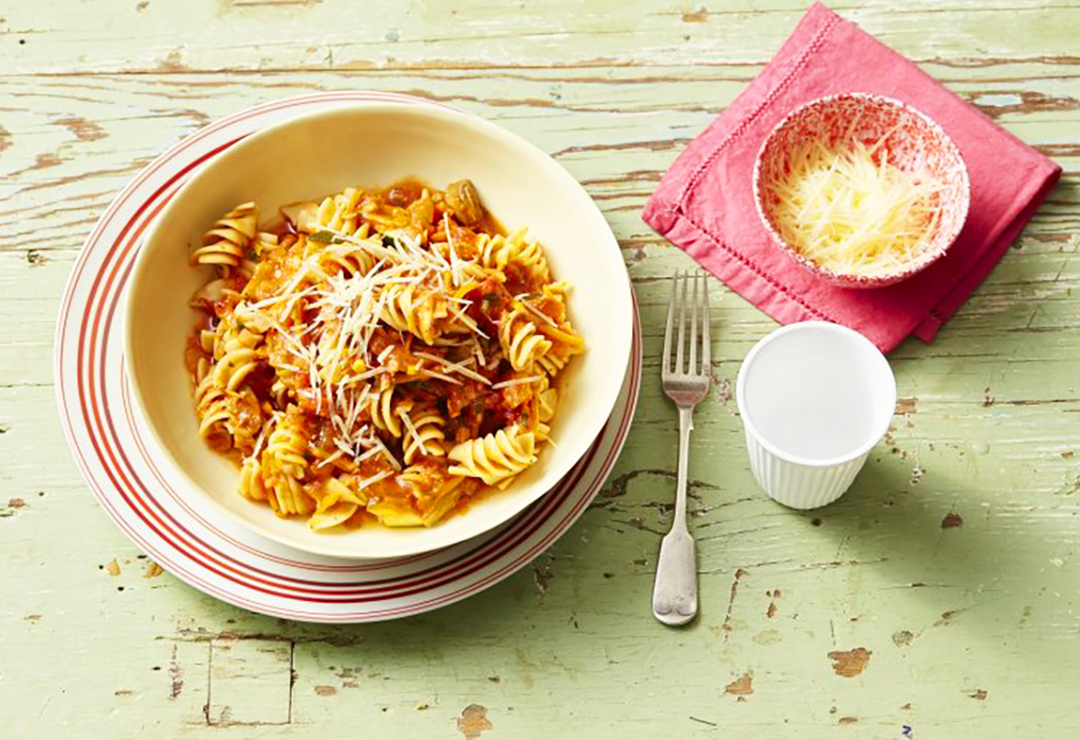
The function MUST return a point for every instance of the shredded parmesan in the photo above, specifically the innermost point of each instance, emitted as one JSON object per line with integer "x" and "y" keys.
{"x": 455, "y": 267}
{"x": 472, "y": 326}
{"x": 404, "y": 414}
{"x": 338, "y": 453}
{"x": 455, "y": 367}
{"x": 851, "y": 210}
{"x": 516, "y": 381}
{"x": 372, "y": 479}
{"x": 539, "y": 314}
{"x": 370, "y": 453}
{"x": 387, "y": 454}
{"x": 432, "y": 374}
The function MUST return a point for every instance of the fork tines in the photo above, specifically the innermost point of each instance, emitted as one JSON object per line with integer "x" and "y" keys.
{"x": 699, "y": 329}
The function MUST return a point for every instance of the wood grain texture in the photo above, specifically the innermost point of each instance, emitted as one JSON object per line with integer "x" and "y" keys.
{"x": 937, "y": 599}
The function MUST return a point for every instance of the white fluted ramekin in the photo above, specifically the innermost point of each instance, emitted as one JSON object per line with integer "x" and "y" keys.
{"x": 813, "y": 386}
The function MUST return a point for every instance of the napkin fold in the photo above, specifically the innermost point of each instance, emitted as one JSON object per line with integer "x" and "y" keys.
{"x": 705, "y": 202}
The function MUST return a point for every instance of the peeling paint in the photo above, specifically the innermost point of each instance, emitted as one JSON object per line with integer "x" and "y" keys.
{"x": 113, "y": 568}
{"x": 952, "y": 520}
{"x": 1001, "y": 103}
{"x": 903, "y": 638}
{"x": 850, "y": 663}
{"x": 348, "y": 677}
{"x": 739, "y": 573}
{"x": 542, "y": 576}
{"x": 947, "y": 617}
{"x": 917, "y": 474}
{"x": 44, "y": 160}
{"x": 473, "y": 721}
{"x": 768, "y": 637}
{"x": 724, "y": 392}
{"x": 83, "y": 129}
{"x": 176, "y": 676}
{"x": 741, "y": 686}
{"x": 172, "y": 62}
{"x": 770, "y": 612}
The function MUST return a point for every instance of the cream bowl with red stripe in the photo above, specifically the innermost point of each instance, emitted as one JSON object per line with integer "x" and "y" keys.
{"x": 370, "y": 144}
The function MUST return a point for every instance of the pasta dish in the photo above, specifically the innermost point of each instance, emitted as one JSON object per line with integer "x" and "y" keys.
{"x": 382, "y": 355}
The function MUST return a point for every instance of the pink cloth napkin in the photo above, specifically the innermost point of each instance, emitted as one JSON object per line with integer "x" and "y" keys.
{"x": 705, "y": 202}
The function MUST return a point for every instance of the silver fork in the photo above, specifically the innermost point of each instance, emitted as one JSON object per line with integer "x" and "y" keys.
{"x": 675, "y": 591}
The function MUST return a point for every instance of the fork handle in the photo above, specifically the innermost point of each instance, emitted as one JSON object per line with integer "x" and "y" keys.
{"x": 686, "y": 425}
{"x": 675, "y": 590}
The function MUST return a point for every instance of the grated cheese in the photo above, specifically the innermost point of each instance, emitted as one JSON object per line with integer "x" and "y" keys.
{"x": 458, "y": 367}
{"x": 538, "y": 313}
{"x": 387, "y": 454}
{"x": 404, "y": 414}
{"x": 338, "y": 453}
{"x": 516, "y": 381}
{"x": 852, "y": 212}
{"x": 455, "y": 267}
{"x": 432, "y": 374}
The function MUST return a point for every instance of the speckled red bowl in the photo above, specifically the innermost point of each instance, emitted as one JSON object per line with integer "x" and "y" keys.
{"x": 918, "y": 146}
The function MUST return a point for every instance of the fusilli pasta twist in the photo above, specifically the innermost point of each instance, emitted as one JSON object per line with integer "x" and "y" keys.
{"x": 520, "y": 340}
{"x": 496, "y": 456}
{"x": 385, "y": 412}
{"x": 413, "y": 309}
{"x": 528, "y": 253}
{"x": 284, "y": 465}
{"x": 227, "y": 243}
{"x": 426, "y": 437}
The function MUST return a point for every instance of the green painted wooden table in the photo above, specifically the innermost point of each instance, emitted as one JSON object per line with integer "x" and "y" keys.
{"x": 936, "y": 600}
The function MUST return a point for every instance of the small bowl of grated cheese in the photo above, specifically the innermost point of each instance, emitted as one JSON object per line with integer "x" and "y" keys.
{"x": 862, "y": 190}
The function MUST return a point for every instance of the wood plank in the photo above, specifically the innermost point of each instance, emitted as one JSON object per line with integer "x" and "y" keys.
{"x": 213, "y": 35}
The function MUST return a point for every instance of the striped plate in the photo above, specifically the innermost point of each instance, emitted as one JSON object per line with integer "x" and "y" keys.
{"x": 186, "y": 535}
